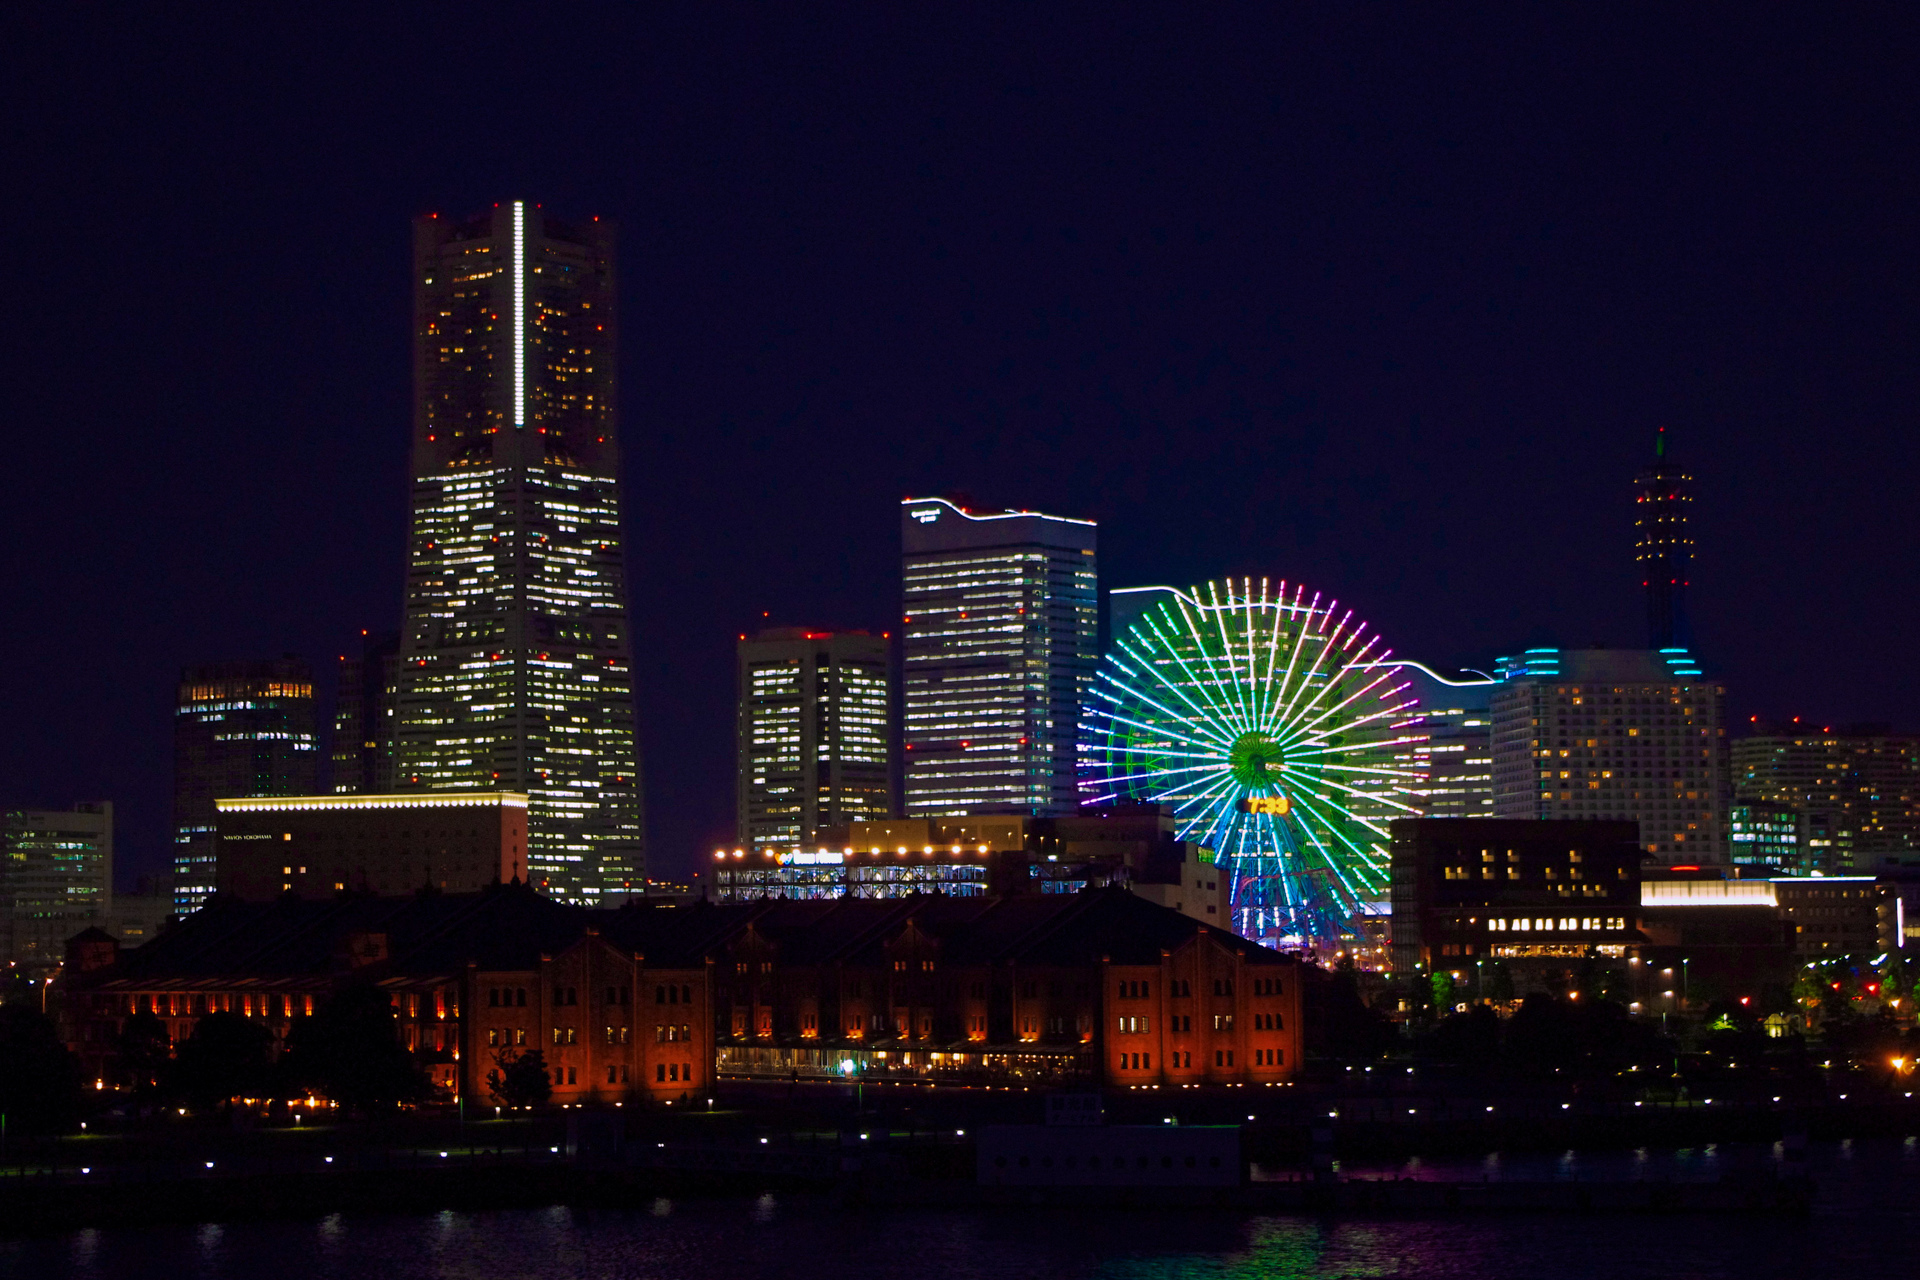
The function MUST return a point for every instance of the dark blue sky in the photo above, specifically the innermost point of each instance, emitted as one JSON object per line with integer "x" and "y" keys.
{"x": 1382, "y": 300}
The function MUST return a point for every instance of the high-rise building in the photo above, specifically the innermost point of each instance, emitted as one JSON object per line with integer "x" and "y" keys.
{"x": 1628, "y": 734}
{"x": 1456, "y": 753}
{"x": 1002, "y": 638}
{"x": 516, "y": 656}
{"x": 814, "y": 734}
{"x": 56, "y": 880}
{"x": 1663, "y": 547}
{"x": 1855, "y": 794}
{"x": 363, "y": 716}
{"x": 240, "y": 729}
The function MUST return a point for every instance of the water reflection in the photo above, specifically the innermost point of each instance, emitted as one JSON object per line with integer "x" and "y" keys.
{"x": 1867, "y": 1188}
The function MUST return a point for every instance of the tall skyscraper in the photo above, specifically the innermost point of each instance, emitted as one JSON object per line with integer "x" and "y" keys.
{"x": 1629, "y": 734}
{"x": 240, "y": 729}
{"x": 56, "y": 880}
{"x": 1002, "y": 638}
{"x": 815, "y": 737}
{"x": 1663, "y": 547}
{"x": 363, "y": 716}
{"x": 516, "y": 656}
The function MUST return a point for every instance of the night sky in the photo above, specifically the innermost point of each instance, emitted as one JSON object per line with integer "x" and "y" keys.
{"x": 1358, "y": 299}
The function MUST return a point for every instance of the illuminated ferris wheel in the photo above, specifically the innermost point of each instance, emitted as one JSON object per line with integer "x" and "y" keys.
{"x": 1280, "y": 735}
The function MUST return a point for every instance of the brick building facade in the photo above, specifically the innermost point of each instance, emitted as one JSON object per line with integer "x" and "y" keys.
{"x": 652, "y": 1001}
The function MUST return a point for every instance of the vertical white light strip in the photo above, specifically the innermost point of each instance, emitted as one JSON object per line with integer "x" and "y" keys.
{"x": 519, "y": 314}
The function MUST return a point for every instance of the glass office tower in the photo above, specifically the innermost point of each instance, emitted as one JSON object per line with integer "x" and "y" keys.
{"x": 516, "y": 670}
{"x": 239, "y": 729}
{"x": 1002, "y": 638}
{"x": 815, "y": 737}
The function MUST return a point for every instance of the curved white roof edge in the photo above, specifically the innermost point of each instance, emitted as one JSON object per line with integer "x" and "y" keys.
{"x": 1422, "y": 667}
{"x": 1003, "y": 515}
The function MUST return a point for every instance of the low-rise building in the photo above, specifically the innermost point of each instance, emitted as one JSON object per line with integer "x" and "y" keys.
{"x": 1010, "y": 854}
{"x": 320, "y": 846}
{"x": 654, "y": 1000}
{"x": 1540, "y": 895}
{"x": 1820, "y": 915}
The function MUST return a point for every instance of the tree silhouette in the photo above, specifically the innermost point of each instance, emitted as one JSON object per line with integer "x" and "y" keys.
{"x": 145, "y": 1052}
{"x": 519, "y": 1080}
{"x": 227, "y": 1056}
{"x": 39, "y": 1079}
{"x": 350, "y": 1051}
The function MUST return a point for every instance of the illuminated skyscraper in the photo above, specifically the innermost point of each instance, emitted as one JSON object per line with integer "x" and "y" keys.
{"x": 516, "y": 670}
{"x": 240, "y": 729}
{"x": 1002, "y": 638}
{"x": 1663, "y": 547}
{"x": 815, "y": 736}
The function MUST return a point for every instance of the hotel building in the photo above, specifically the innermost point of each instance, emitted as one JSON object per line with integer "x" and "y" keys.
{"x": 516, "y": 669}
{"x": 1001, "y": 617}
{"x": 814, "y": 735}
{"x": 1624, "y": 734}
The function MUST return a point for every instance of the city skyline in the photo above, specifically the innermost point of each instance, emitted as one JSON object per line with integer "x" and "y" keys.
{"x": 1239, "y": 342}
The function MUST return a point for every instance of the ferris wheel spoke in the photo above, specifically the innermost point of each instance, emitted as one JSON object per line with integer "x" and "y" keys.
{"x": 1362, "y": 857}
{"x": 1318, "y": 678}
{"x": 1156, "y": 773}
{"x": 1308, "y": 624}
{"x": 1199, "y": 729}
{"x": 1195, "y": 734}
{"x": 1303, "y": 724}
{"x": 1221, "y": 708}
{"x": 1327, "y": 858}
{"x": 1264, "y": 703}
{"x": 1173, "y": 650}
{"x": 1220, "y": 614}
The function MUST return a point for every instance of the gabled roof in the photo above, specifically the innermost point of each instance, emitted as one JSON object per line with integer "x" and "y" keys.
{"x": 505, "y": 927}
{"x": 511, "y": 927}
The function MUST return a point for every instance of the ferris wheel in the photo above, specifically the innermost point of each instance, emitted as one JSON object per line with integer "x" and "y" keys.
{"x": 1281, "y": 736}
